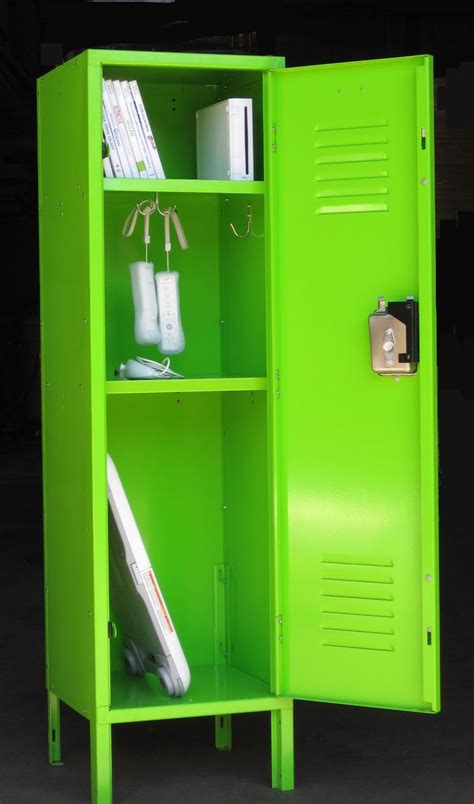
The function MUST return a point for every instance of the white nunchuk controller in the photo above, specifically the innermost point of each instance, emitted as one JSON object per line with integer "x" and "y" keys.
{"x": 172, "y": 335}
{"x": 147, "y": 329}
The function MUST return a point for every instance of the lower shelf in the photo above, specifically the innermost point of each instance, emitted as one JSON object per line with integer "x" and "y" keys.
{"x": 214, "y": 690}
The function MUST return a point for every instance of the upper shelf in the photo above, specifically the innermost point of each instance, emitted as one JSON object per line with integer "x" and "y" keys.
{"x": 184, "y": 186}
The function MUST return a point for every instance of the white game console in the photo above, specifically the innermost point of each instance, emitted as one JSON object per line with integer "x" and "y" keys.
{"x": 150, "y": 639}
{"x": 224, "y": 139}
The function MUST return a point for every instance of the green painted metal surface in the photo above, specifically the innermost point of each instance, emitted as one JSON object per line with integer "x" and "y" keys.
{"x": 213, "y": 685}
{"x": 223, "y": 732}
{"x": 185, "y": 386}
{"x": 242, "y": 287}
{"x": 285, "y": 493}
{"x": 72, "y": 398}
{"x": 246, "y": 530}
{"x": 351, "y": 189}
{"x": 54, "y": 730}
{"x": 283, "y": 775}
{"x": 206, "y": 186}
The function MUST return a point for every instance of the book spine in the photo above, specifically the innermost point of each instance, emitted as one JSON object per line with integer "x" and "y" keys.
{"x": 129, "y": 137}
{"x": 119, "y": 118}
{"x": 108, "y": 172}
{"x": 116, "y": 131}
{"x": 145, "y": 156}
{"x": 150, "y": 140}
{"x": 109, "y": 139}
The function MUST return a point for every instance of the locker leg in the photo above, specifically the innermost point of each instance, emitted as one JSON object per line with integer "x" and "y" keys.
{"x": 54, "y": 729}
{"x": 282, "y": 749}
{"x": 101, "y": 762}
{"x": 224, "y": 732}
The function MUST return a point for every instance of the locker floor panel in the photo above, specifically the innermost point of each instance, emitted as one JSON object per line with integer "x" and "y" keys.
{"x": 215, "y": 689}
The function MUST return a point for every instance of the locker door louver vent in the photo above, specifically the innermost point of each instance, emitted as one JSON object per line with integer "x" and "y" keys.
{"x": 351, "y": 168}
{"x": 357, "y": 602}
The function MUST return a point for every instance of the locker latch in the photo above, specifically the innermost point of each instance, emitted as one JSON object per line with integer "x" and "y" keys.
{"x": 394, "y": 337}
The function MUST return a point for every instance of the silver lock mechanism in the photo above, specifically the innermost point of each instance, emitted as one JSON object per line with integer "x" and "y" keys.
{"x": 394, "y": 337}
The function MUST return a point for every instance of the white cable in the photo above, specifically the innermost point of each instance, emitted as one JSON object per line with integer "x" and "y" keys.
{"x": 163, "y": 368}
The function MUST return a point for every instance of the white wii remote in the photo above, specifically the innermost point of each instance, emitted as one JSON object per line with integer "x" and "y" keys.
{"x": 172, "y": 336}
{"x": 147, "y": 329}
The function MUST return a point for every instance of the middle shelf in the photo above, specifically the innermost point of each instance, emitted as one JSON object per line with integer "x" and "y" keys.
{"x": 179, "y": 386}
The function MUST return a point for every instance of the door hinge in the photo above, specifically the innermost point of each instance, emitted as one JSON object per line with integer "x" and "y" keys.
{"x": 222, "y": 573}
{"x": 274, "y": 131}
{"x": 277, "y": 385}
{"x": 280, "y": 628}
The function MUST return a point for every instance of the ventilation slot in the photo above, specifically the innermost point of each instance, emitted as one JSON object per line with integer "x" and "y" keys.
{"x": 351, "y": 169}
{"x": 357, "y": 603}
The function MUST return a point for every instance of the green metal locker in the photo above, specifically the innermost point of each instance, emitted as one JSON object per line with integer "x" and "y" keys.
{"x": 286, "y": 492}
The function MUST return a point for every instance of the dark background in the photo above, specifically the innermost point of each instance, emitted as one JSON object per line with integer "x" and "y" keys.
{"x": 342, "y": 754}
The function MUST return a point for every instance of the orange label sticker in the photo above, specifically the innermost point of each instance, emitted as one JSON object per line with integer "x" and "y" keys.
{"x": 157, "y": 601}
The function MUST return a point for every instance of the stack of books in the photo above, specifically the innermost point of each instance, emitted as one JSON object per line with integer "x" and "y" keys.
{"x": 130, "y": 147}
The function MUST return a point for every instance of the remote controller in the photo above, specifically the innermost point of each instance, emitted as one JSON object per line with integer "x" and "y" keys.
{"x": 147, "y": 329}
{"x": 172, "y": 336}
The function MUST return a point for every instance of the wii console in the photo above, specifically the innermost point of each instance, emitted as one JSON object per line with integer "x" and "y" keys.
{"x": 224, "y": 138}
{"x": 150, "y": 639}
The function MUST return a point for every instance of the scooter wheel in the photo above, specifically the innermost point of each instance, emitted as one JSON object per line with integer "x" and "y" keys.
{"x": 131, "y": 662}
{"x": 166, "y": 682}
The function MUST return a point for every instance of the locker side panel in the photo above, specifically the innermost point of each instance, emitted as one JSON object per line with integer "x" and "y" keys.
{"x": 72, "y": 357}
{"x": 356, "y": 454}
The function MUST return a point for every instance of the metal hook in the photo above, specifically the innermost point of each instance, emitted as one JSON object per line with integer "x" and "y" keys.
{"x": 249, "y": 221}
{"x": 169, "y": 211}
{"x": 249, "y": 225}
{"x": 148, "y": 210}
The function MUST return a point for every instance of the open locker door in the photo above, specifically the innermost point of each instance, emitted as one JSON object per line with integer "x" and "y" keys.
{"x": 352, "y": 188}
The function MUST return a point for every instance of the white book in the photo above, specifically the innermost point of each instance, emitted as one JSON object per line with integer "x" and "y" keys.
{"x": 118, "y": 114}
{"x": 108, "y": 172}
{"x": 114, "y": 158}
{"x": 145, "y": 123}
{"x": 138, "y": 128}
{"x": 130, "y": 137}
{"x": 117, "y": 134}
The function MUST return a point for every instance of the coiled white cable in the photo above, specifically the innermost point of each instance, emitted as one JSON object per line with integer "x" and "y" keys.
{"x": 163, "y": 368}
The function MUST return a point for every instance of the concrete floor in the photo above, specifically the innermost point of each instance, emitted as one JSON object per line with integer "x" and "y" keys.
{"x": 342, "y": 754}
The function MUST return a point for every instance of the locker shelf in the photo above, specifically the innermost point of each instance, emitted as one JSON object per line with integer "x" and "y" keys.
{"x": 209, "y": 186}
{"x": 186, "y": 385}
{"x": 215, "y": 689}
